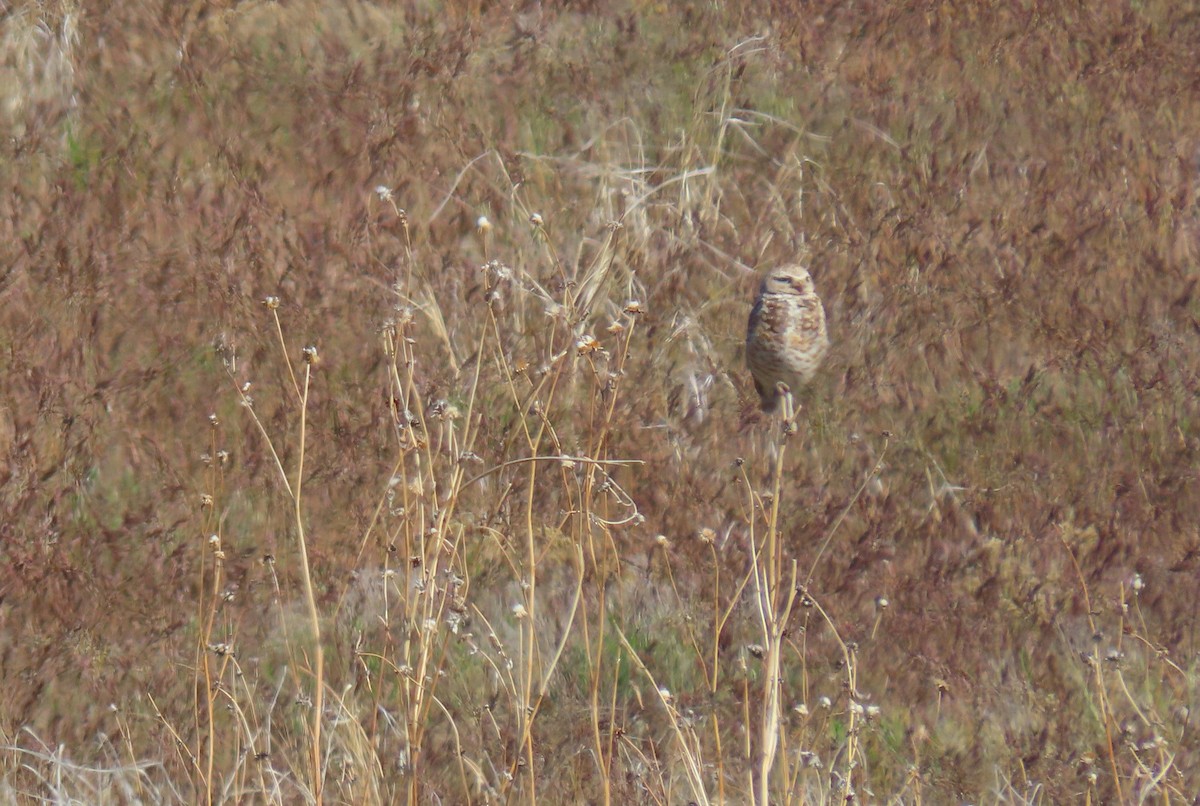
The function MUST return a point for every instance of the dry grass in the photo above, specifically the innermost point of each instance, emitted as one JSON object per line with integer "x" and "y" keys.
{"x": 511, "y": 530}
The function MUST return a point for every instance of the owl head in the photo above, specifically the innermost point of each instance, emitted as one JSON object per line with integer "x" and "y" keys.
{"x": 788, "y": 280}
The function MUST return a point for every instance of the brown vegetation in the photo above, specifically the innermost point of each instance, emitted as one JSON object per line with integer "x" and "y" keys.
{"x": 510, "y": 531}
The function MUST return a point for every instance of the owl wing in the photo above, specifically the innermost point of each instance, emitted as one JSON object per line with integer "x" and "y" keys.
{"x": 755, "y": 317}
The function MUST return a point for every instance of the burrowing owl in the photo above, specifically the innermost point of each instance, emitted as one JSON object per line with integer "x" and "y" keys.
{"x": 786, "y": 339}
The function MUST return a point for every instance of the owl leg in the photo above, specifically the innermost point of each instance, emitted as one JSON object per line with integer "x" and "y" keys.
{"x": 783, "y": 392}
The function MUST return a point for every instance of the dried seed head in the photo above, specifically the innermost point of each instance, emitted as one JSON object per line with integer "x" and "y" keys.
{"x": 499, "y": 269}
{"x": 662, "y": 542}
{"x": 482, "y": 225}
{"x": 405, "y": 314}
{"x": 1138, "y": 583}
{"x": 707, "y": 536}
{"x": 586, "y": 344}
{"x": 881, "y": 602}
{"x": 1153, "y": 743}
{"x": 536, "y": 220}
{"x": 206, "y": 500}
{"x": 213, "y": 421}
{"x": 383, "y": 192}
{"x": 519, "y": 612}
{"x": 633, "y": 307}
{"x": 453, "y": 412}
{"x": 272, "y": 302}
{"x": 310, "y": 356}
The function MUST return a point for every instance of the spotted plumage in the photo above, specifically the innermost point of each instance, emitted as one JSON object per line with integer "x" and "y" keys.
{"x": 786, "y": 338}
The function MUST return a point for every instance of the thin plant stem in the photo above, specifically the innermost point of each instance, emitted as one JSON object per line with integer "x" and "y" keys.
{"x": 310, "y": 599}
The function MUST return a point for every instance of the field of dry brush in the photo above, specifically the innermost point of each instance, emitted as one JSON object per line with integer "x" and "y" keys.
{"x": 374, "y": 426}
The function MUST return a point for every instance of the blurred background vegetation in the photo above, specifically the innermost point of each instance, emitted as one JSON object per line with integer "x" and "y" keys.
{"x": 998, "y": 205}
